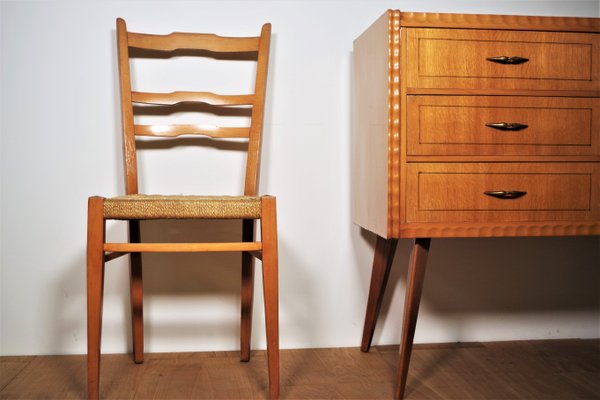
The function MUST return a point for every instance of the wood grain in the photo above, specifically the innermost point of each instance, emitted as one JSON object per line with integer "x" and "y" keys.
{"x": 446, "y": 128}
{"x": 548, "y": 370}
{"x": 414, "y": 287}
{"x": 396, "y": 103}
{"x": 502, "y": 158}
{"x": 183, "y": 129}
{"x": 173, "y": 98}
{"x": 454, "y": 192}
{"x": 265, "y": 250}
{"x": 382, "y": 265}
{"x": 499, "y": 229}
{"x": 270, "y": 272}
{"x": 136, "y": 291}
{"x": 399, "y": 184}
{"x": 182, "y": 247}
{"x": 455, "y": 58}
{"x": 370, "y": 135}
{"x": 489, "y": 21}
{"x": 10, "y": 367}
{"x": 129, "y": 149}
{"x": 432, "y": 78}
{"x": 247, "y": 291}
{"x": 96, "y": 233}
{"x": 192, "y": 41}
{"x": 503, "y": 92}
{"x": 258, "y": 111}
{"x": 456, "y": 125}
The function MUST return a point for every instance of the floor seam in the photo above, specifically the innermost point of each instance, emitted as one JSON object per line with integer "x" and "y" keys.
{"x": 17, "y": 374}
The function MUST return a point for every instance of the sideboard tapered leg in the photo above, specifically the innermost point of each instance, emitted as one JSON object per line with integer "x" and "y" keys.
{"x": 382, "y": 264}
{"x": 414, "y": 287}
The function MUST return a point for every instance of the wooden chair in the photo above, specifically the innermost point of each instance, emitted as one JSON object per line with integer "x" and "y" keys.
{"x": 134, "y": 207}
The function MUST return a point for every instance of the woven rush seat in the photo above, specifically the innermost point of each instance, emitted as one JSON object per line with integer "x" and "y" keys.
{"x": 140, "y": 206}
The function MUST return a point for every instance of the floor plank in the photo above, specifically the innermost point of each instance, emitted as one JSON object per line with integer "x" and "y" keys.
{"x": 549, "y": 370}
{"x": 545, "y": 370}
{"x": 49, "y": 377}
{"x": 10, "y": 367}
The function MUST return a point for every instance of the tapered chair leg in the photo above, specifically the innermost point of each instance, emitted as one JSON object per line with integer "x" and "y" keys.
{"x": 382, "y": 264}
{"x": 136, "y": 295}
{"x": 95, "y": 291}
{"x": 247, "y": 294}
{"x": 270, "y": 286}
{"x": 414, "y": 287}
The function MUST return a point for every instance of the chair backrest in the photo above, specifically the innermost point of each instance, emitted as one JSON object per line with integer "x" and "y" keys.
{"x": 204, "y": 44}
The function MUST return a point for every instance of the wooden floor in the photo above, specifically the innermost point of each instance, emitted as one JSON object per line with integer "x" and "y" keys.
{"x": 562, "y": 369}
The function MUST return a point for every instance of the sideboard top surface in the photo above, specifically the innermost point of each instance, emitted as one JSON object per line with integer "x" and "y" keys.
{"x": 494, "y": 21}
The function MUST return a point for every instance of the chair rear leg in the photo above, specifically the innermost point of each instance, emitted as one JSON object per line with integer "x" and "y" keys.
{"x": 270, "y": 286}
{"x": 247, "y": 294}
{"x": 95, "y": 291}
{"x": 136, "y": 295}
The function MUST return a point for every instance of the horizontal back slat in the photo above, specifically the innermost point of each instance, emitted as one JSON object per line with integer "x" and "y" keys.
{"x": 173, "y": 98}
{"x": 192, "y": 41}
{"x": 203, "y": 130}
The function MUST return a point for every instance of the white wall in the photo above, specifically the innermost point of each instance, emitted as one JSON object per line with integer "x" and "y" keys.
{"x": 60, "y": 143}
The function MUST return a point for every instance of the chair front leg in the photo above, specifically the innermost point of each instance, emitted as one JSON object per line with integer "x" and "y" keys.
{"x": 95, "y": 291}
{"x": 270, "y": 286}
{"x": 247, "y": 294}
{"x": 136, "y": 294}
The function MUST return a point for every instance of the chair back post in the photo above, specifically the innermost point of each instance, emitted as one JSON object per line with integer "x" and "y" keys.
{"x": 129, "y": 151}
{"x": 256, "y": 127}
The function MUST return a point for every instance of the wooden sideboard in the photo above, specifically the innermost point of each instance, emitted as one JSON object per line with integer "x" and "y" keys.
{"x": 471, "y": 126}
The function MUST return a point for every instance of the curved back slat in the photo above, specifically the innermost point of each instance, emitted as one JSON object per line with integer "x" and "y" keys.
{"x": 192, "y": 41}
{"x": 173, "y": 98}
{"x": 190, "y": 129}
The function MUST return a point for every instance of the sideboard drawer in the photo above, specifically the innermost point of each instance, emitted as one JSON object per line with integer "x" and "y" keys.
{"x": 500, "y": 125}
{"x": 457, "y": 192}
{"x": 458, "y": 58}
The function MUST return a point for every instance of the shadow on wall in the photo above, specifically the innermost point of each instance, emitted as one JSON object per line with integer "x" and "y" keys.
{"x": 195, "y": 276}
{"x": 527, "y": 274}
{"x": 192, "y": 276}
{"x": 171, "y": 273}
{"x": 183, "y": 285}
{"x": 218, "y": 275}
{"x": 496, "y": 275}
{"x": 67, "y": 333}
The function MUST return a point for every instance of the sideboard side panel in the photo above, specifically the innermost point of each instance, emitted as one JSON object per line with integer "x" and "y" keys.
{"x": 369, "y": 165}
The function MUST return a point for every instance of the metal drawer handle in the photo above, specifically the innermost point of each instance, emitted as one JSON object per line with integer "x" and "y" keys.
{"x": 505, "y": 194}
{"x": 507, "y": 126}
{"x": 508, "y": 60}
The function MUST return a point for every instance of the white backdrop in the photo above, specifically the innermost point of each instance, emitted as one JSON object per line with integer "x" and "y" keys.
{"x": 60, "y": 143}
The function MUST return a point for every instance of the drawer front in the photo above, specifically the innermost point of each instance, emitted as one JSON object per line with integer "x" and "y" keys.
{"x": 458, "y": 58}
{"x": 441, "y": 192}
{"x": 502, "y": 125}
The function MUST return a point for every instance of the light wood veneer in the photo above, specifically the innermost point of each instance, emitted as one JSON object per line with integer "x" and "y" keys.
{"x": 471, "y": 126}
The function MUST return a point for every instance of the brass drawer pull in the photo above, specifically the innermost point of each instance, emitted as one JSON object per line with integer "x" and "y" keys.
{"x": 505, "y": 194}
{"x": 507, "y": 126}
{"x": 508, "y": 60}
